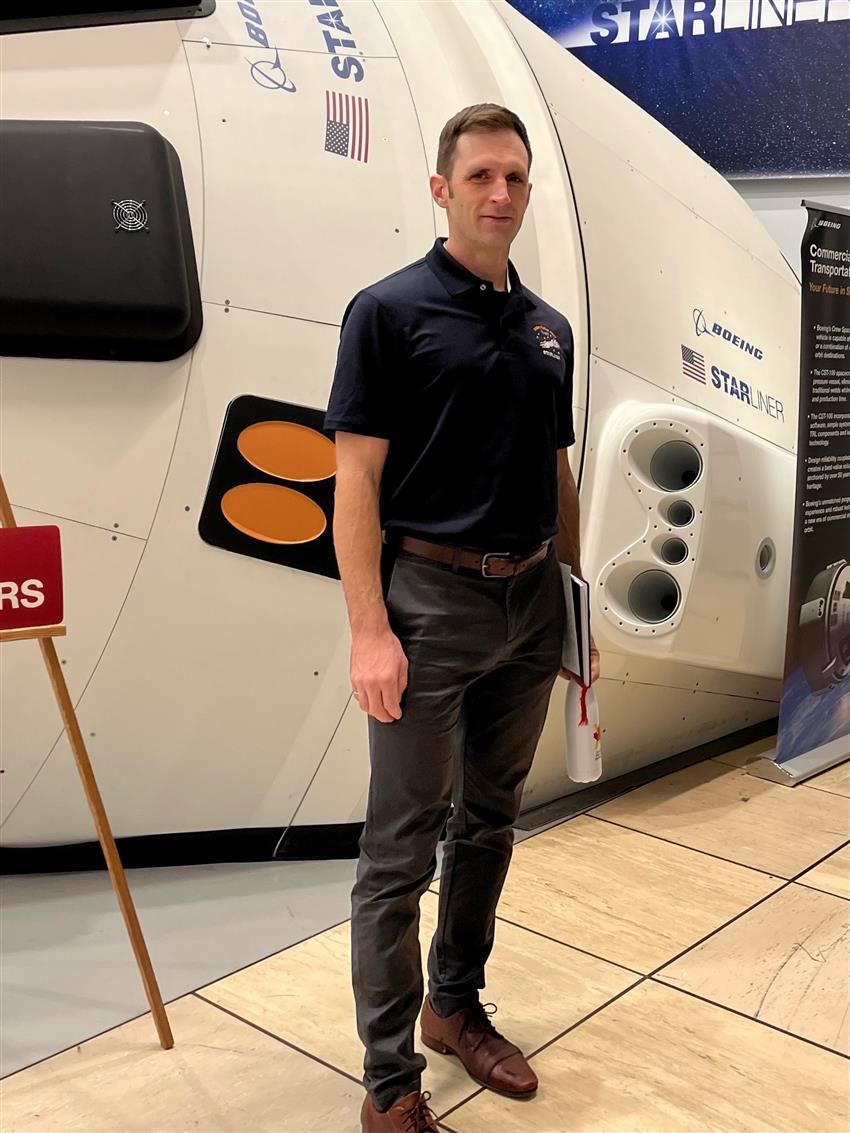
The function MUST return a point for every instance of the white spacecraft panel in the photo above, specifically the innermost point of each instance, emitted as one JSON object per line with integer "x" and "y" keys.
{"x": 644, "y": 293}
{"x": 123, "y": 73}
{"x": 668, "y": 673}
{"x": 291, "y": 228}
{"x": 90, "y": 440}
{"x": 729, "y": 617}
{"x": 643, "y": 724}
{"x": 98, "y": 568}
{"x": 736, "y": 618}
{"x": 225, "y": 677}
{"x": 341, "y": 785}
{"x": 83, "y": 439}
{"x": 353, "y": 27}
{"x": 465, "y": 52}
{"x": 221, "y": 698}
{"x": 630, "y": 710}
{"x": 638, "y": 140}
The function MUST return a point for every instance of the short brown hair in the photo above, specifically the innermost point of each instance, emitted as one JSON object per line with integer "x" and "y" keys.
{"x": 483, "y": 118}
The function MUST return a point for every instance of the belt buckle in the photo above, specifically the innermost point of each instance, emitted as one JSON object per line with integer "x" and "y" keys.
{"x": 494, "y": 555}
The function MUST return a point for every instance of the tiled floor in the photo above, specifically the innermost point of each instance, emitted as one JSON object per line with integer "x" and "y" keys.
{"x": 674, "y": 960}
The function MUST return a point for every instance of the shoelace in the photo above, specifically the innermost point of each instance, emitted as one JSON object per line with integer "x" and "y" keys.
{"x": 419, "y": 1118}
{"x": 479, "y": 1021}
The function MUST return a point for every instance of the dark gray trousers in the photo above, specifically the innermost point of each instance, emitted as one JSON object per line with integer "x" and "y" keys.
{"x": 483, "y": 655}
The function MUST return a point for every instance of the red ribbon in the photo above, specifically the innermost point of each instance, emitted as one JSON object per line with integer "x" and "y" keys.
{"x": 584, "y": 689}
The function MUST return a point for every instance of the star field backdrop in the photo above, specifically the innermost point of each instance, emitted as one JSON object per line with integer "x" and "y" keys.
{"x": 758, "y": 88}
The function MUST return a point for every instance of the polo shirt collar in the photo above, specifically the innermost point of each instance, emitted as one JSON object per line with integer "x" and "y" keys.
{"x": 457, "y": 279}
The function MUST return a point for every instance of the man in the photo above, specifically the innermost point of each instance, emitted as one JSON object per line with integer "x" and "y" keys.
{"x": 452, "y": 405}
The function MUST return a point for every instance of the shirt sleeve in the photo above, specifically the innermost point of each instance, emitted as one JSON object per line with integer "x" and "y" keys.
{"x": 368, "y": 365}
{"x": 565, "y": 435}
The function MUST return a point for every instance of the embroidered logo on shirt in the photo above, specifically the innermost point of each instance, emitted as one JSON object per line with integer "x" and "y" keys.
{"x": 547, "y": 341}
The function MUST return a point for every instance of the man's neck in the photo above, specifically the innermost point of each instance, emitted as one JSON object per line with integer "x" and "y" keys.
{"x": 483, "y": 262}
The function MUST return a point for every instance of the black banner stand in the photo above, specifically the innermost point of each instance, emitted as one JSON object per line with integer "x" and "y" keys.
{"x": 814, "y": 710}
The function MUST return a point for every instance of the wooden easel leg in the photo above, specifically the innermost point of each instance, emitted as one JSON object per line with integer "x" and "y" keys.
{"x": 107, "y": 842}
{"x": 101, "y": 822}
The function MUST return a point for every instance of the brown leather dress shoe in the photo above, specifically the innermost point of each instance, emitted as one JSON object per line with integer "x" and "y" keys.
{"x": 410, "y": 1114}
{"x": 488, "y": 1058}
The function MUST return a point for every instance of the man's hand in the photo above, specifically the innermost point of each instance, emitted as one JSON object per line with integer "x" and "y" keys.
{"x": 378, "y": 674}
{"x": 594, "y": 666}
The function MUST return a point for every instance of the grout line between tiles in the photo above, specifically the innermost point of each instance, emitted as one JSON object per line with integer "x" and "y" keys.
{"x": 751, "y": 1018}
{"x": 817, "y": 889}
{"x": 88, "y": 1039}
{"x": 805, "y": 783}
{"x": 785, "y": 883}
{"x": 447, "y": 1128}
{"x": 458, "y": 1105}
{"x": 574, "y": 947}
{"x": 279, "y": 1038}
{"x": 174, "y": 999}
{"x": 651, "y": 975}
{"x": 696, "y": 850}
{"x": 589, "y": 1015}
{"x": 743, "y": 913}
{"x": 824, "y": 790}
{"x": 670, "y": 987}
{"x": 562, "y": 1034}
{"x": 270, "y": 956}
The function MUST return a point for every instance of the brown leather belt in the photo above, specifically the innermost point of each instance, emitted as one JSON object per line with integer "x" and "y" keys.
{"x": 492, "y": 564}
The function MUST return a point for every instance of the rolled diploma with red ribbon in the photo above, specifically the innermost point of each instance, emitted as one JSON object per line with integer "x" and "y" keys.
{"x": 581, "y": 725}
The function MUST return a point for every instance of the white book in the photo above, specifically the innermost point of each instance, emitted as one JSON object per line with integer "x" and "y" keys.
{"x": 575, "y": 653}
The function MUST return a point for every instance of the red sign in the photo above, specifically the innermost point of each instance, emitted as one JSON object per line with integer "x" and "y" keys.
{"x": 30, "y": 577}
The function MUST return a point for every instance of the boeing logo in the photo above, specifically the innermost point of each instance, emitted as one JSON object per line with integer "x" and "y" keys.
{"x": 701, "y": 327}
{"x": 699, "y": 323}
{"x": 269, "y": 73}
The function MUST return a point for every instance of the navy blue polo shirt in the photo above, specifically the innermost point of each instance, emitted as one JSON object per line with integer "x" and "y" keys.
{"x": 473, "y": 389}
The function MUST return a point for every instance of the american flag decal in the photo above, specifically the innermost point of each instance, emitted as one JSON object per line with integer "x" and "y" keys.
{"x": 693, "y": 364}
{"x": 347, "y": 125}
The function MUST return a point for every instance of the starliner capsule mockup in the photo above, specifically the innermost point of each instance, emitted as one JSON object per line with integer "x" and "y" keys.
{"x": 188, "y": 205}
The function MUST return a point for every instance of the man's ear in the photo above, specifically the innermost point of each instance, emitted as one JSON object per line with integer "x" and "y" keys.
{"x": 439, "y": 189}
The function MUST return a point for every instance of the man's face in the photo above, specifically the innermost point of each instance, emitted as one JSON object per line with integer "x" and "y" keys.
{"x": 487, "y": 191}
